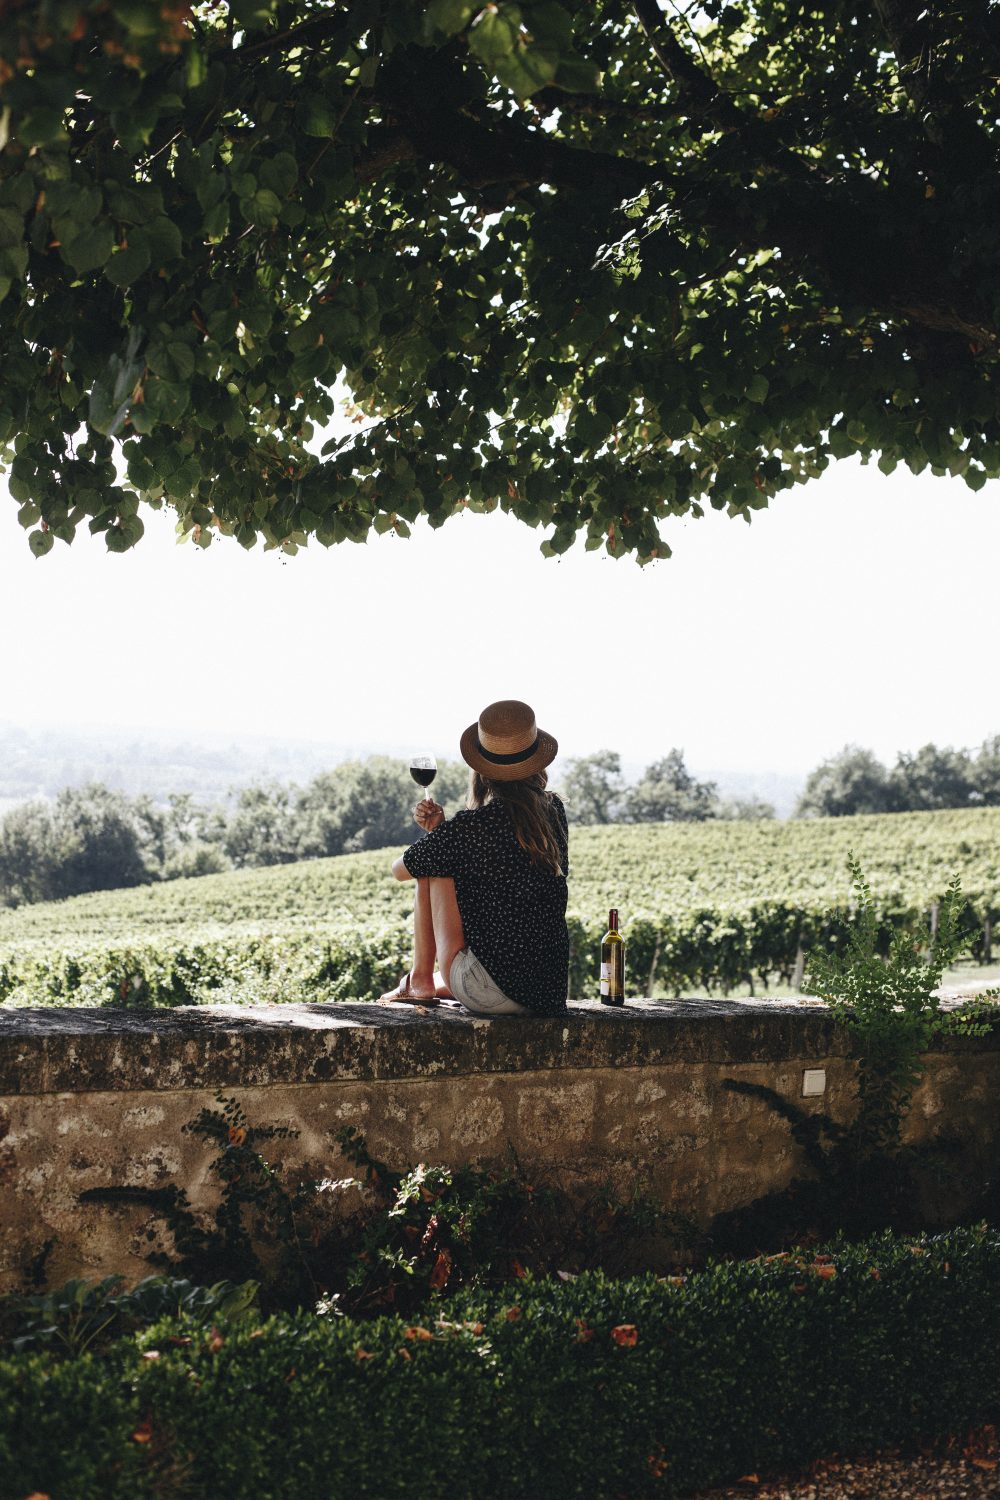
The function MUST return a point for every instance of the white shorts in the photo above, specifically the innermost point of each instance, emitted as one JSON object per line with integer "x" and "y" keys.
{"x": 478, "y": 992}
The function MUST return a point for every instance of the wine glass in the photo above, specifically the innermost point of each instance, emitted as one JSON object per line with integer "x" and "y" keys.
{"x": 423, "y": 769}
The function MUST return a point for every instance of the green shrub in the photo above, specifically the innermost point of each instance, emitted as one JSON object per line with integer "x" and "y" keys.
{"x": 585, "y": 1390}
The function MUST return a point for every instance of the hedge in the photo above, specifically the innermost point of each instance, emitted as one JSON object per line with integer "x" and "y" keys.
{"x": 595, "y": 1387}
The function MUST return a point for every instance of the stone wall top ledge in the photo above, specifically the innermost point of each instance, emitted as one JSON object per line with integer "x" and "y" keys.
{"x": 78, "y": 1050}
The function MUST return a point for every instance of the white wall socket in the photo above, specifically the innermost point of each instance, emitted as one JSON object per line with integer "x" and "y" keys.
{"x": 813, "y": 1082}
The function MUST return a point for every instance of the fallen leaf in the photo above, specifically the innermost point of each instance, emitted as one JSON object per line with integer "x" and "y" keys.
{"x": 237, "y": 1135}
{"x": 405, "y": 1354}
{"x": 983, "y": 1463}
{"x": 417, "y": 1333}
{"x": 216, "y": 1341}
{"x": 825, "y": 1272}
{"x": 144, "y": 1432}
{"x": 441, "y": 1271}
{"x": 518, "y": 1270}
{"x": 512, "y": 1314}
{"x": 584, "y": 1334}
{"x": 360, "y": 1354}
{"x": 626, "y": 1335}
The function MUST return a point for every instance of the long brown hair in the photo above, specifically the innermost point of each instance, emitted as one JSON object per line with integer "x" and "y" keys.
{"x": 531, "y": 812}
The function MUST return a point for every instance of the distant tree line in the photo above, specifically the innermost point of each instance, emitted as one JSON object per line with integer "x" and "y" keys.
{"x": 91, "y": 837}
{"x": 856, "y": 781}
{"x": 595, "y": 791}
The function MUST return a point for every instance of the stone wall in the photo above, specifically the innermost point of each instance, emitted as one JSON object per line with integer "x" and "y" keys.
{"x": 97, "y": 1098}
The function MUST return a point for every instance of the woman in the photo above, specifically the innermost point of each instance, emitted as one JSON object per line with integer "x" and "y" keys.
{"x": 490, "y": 910}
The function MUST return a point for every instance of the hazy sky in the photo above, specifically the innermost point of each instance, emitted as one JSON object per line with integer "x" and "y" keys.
{"x": 858, "y": 608}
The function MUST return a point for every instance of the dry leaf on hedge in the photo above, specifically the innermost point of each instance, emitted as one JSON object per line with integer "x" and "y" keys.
{"x": 417, "y": 1333}
{"x": 441, "y": 1271}
{"x": 826, "y": 1272}
{"x": 626, "y": 1335}
{"x": 144, "y": 1432}
{"x": 360, "y": 1354}
{"x": 151, "y": 1354}
{"x": 216, "y": 1341}
{"x": 518, "y": 1270}
{"x": 566, "y": 1275}
{"x": 512, "y": 1314}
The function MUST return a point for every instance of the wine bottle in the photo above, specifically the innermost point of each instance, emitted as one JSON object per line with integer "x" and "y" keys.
{"x": 612, "y": 963}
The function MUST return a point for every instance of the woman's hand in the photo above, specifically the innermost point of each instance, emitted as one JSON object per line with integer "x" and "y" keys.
{"x": 429, "y": 814}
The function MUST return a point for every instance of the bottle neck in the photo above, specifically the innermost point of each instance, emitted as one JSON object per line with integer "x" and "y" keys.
{"x": 612, "y": 920}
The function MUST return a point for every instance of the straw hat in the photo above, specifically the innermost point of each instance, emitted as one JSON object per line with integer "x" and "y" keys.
{"x": 506, "y": 744}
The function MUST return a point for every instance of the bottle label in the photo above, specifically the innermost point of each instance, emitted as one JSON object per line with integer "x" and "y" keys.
{"x": 605, "y": 979}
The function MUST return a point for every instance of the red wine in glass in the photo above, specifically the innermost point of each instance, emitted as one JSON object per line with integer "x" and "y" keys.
{"x": 423, "y": 769}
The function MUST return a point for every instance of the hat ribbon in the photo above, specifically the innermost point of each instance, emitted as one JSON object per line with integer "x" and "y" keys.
{"x": 506, "y": 760}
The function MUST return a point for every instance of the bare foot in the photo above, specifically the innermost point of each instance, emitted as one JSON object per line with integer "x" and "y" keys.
{"x": 406, "y": 993}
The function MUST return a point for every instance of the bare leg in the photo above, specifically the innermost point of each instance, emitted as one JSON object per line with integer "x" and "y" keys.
{"x": 449, "y": 934}
{"x": 424, "y": 949}
{"x": 437, "y": 937}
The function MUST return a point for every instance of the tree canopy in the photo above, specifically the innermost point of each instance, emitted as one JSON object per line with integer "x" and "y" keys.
{"x": 590, "y": 262}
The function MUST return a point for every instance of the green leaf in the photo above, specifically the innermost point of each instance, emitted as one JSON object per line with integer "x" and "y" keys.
{"x": 164, "y": 240}
{"x": 757, "y": 389}
{"x": 42, "y": 127}
{"x": 528, "y": 69}
{"x": 577, "y": 76}
{"x": 41, "y": 542}
{"x": 89, "y": 250}
{"x": 279, "y": 174}
{"x": 166, "y": 400}
{"x": 263, "y": 208}
{"x": 448, "y": 17}
{"x": 314, "y": 116}
{"x": 28, "y": 514}
{"x": 173, "y": 361}
{"x": 124, "y": 267}
{"x": 495, "y": 34}
{"x": 253, "y": 14}
{"x": 11, "y": 227}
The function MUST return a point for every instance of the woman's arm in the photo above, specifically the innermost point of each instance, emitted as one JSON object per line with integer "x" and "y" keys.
{"x": 429, "y": 815}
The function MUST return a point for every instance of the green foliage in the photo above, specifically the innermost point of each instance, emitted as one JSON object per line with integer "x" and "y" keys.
{"x": 93, "y": 838}
{"x": 583, "y": 1390}
{"x": 855, "y": 781}
{"x": 434, "y": 1229}
{"x": 932, "y": 778}
{"x": 595, "y": 272}
{"x": 82, "y": 1316}
{"x": 593, "y": 788}
{"x": 254, "y": 1207}
{"x": 86, "y": 840}
{"x": 889, "y": 1000}
{"x": 668, "y": 793}
{"x": 704, "y": 906}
